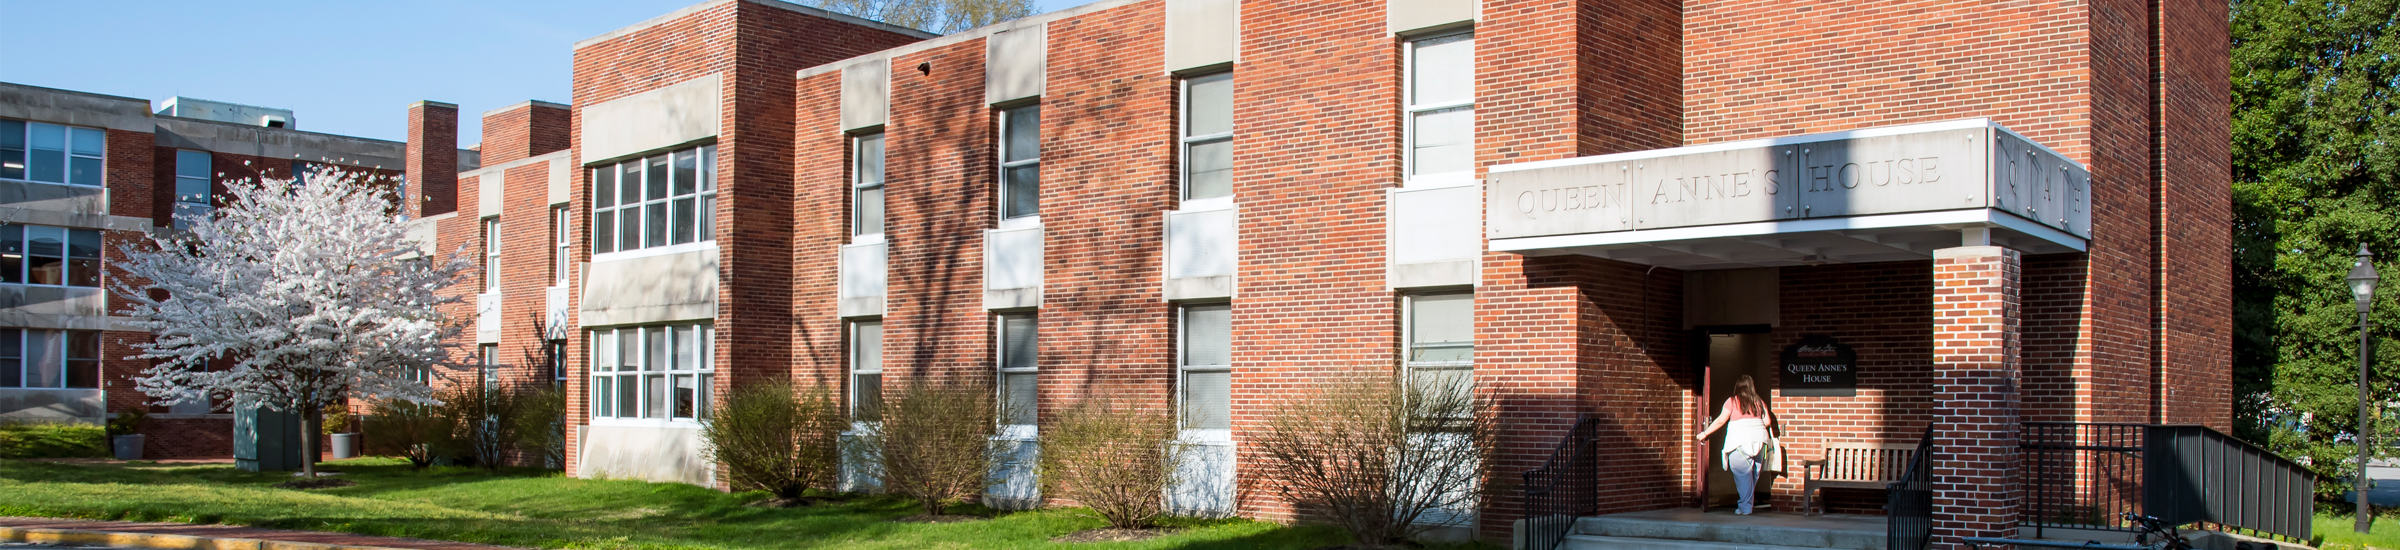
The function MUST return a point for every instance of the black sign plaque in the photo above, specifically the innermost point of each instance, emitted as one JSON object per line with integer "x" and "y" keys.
{"x": 1819, "y": 366}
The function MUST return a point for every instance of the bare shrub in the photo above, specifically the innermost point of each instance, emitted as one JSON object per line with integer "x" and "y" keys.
{"x": 934, "y": 444}
{"x": 1379, "y": 459}
{"x": 542, "y": 425}
{"x": 488, "y": 421}
{"x": 417, "y": 431}
{"x": 772, "y": 439}
{"x": 1117, "y": 460}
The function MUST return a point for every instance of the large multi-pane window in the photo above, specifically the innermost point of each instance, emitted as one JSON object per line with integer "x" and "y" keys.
{"x": 660, "y": 200}
{"x": 1441, "y": 109}
{"x": 652, "y": 372}
{"x": 51, "y": 153}
{"x": 1208, "y": 136}
{"x": 44, "y": 255}
{"x": 559, "y": 243}
{"x": 1207, "y": 364}
{"x": 1441, "y": 342}
{"x": 1019, "y": 379}
{"x": 866, "y": 371}
{"x": 49, "y": 358}
{"x": 866, "y": 186}
{"x": 1021, "y": 163}
{"x": 491, "y": 254}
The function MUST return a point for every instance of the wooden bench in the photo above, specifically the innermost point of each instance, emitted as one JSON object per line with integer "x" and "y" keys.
{"x": 1852, "y": 465}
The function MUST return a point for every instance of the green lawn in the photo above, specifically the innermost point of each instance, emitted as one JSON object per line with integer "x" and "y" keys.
{"x": 542, "y": 509}
{"x": 2339, "y": 534}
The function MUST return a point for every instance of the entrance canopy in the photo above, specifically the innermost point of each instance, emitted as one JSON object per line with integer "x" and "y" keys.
{"x": 1875, "y": 195}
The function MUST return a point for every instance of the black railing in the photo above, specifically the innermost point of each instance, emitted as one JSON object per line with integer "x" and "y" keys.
{"x": 2088, "y": 475}
{"x": 1909, "y": 502}
{"x": 1565, "y": 488}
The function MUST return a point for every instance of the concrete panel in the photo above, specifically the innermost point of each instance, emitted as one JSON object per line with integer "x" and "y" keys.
{"x": 664, "y": 454}
{"x": 1410, "y": 15}
{"x": 426, "y": 232}
{"x": 1206, "y": 487}
{"x": 1432, "y": 274}
{"x": 650, "y": 289}
{"x": 491, "y": 188}
{"x": 1014, "y": 484}
{"x": 1012, "y": 258}
{"x": 57, "y": 106}
{"x": 1012, "y": 298}
{"x": 1732, "y": 297}
{"x": 562, "y": 179}
{"x": 280, "y": 143}
{"x": 863, "y": 271}
{"x": 1195, "y": 288}
{"x": 79, "y": 405}
{"x": 1201, "y": 243}
{"x": 860, "y": 474}
{"x": 674, "y": 115}
{"x": 1434, "y": 225}
{"x": 56, "y": 204}
{"x": 1016, "y": 63}
{"x": 866, "y": 93}
{"x": 487, "y": 318}
{"x": 554, "y": 312}
{"x": 55, "y": 307}
{"x": 1202, "y": 33}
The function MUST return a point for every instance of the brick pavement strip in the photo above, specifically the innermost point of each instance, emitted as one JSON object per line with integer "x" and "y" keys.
{"x": 180, "y": 536}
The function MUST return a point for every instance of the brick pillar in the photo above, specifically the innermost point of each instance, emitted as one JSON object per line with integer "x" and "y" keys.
{"x": 432, "y": 161}
{"x": 1976, "y": 316}
{"x": 529, "y": 129}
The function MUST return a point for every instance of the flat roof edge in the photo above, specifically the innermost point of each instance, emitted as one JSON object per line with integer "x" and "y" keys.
{"x": 679, "y": 13}
{"x": 970, "y": 34}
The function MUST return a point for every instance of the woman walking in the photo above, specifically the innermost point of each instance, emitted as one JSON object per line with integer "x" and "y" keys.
{"x": 1746, "y": 438}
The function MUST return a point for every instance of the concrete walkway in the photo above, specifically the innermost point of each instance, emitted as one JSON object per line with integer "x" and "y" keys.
{"x": 180, "y": 536}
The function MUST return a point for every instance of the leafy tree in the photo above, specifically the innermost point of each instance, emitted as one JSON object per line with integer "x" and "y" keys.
{"x": 311, "y": 290}
{"x": 2316, "y": 173}
{"x": 938, "y": 16}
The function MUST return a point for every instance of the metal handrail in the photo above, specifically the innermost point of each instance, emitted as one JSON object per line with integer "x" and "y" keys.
{"x": 1565, "y": 488}
{"x": 2084, "y": 475}
{"x": 1909, "y": 502}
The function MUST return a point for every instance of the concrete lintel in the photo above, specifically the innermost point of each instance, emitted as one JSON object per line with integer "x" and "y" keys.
{"x": 1012, "y": 298}
{"x": 1199, "y": 288}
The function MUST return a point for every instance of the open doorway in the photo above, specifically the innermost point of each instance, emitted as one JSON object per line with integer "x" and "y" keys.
{"x": 1731, "y": 353}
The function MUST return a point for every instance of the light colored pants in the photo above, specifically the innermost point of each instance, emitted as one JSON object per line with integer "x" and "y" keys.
{"x": 1745, "y": 477}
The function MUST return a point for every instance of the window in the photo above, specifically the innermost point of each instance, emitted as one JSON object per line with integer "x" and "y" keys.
{"x": 555, "y": 353}
{"x": 866, "y": 186}
{"x": 491, "y": 254}
{"x": 1208, "y": 136}
{"x": 1021, "y": 163}
{"x": 1441, "y": 342}
{"x": 1207, "y": 364}
{"x": 652, "y": 372}
{"x": 866, "y": 371}
{"x": 661, "y": 200}
{"x": 51, "y": 153}
{"x": 488, "y": 360}
{"x": 44, "y": 255}
{"x": 1441, "y": 109}
{"x": 1018, "y": 377}
{"x": 560, "y": 241}
{"x": 49, "y": 358}
{"x": 192, "y": 169}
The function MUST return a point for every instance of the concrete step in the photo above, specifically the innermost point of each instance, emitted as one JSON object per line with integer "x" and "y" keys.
{"x": 1762, "y": 530}
{"x": 1597, "y": 542}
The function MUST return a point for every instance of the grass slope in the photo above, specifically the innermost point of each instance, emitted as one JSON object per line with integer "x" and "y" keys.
{"x": 542, "y": 509}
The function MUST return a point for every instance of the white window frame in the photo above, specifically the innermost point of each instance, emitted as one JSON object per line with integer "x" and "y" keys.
{"x": 1183, "y": 370}
{"x": 1006, "y": 117}
{"x": 488, "y": 361}
{"x": 66, "y": 255}
{"x": 69, "y": 140}
{"x": 1183, "y": 153}
{"x": 205, "y": 180}
{"x": 66, "y": 365}
{"x": 859, "y": 186}
{"x": 607, "y": 357}
{"x": 491, "y": 254}
{"x": 1410, "y": 108}
{"x": 561, "y": 245}
{"x": 1408, "y": 340}
{"x": 1001, "y": 372}
{"x": 858, "y": 366}
{"x": 702, "y": 218}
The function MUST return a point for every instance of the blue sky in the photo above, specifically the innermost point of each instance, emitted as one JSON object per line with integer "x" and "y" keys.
{"x": 345, "y": 66}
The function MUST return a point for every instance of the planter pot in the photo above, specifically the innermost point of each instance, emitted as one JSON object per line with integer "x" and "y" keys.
{"x": 345, "y": 446}
{"x": 128, "y": 447}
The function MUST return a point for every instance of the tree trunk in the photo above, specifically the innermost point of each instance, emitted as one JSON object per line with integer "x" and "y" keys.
{"x": 308, "y": 439}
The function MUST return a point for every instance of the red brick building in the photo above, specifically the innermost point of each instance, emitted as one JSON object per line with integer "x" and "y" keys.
{"x": 84, "y": 173}
{"x": 1986, "y": 213}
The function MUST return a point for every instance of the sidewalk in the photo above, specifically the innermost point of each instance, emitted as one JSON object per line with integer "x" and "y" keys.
{"x": 179, "y": 536}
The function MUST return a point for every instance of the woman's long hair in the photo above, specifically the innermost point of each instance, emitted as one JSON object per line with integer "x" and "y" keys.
{"x": 1745, "y": 392}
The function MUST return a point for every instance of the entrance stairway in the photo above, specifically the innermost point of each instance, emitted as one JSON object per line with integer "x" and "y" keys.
{"x": 1690, "y": 529}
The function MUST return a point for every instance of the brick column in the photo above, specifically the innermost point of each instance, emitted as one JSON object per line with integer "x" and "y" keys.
{"x": 1976, "y": 316}
{"x": 432, "y": 158}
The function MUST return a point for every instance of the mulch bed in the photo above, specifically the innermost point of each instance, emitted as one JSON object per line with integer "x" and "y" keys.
{"x": 318, "y": 483}
{"x": 1112, "y": 534}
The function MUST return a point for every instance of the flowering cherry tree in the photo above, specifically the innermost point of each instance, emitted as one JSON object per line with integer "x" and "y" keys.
{"x": 310, "y": 288}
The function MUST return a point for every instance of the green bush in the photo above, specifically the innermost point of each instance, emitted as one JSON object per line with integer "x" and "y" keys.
{"x": 771, "y": 439}
{"x": 542, "y": 425}
{"x": 127, "y": 422}
{"x": 52, "y": 440}
{"x": 418, "y": 432}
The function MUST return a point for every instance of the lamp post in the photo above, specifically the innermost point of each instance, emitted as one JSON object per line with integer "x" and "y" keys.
{"x": 2362, "y": 281}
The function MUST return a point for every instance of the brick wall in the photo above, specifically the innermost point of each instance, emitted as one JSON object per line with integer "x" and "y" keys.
{"x": 1976, "y": 370}
{"x": 2195, "y": 215}
{"x": 432, "y": 159}
{"x": 187, "y": 436}
{"x": 938, "y": 199}
{"x": 526, "y": 130}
